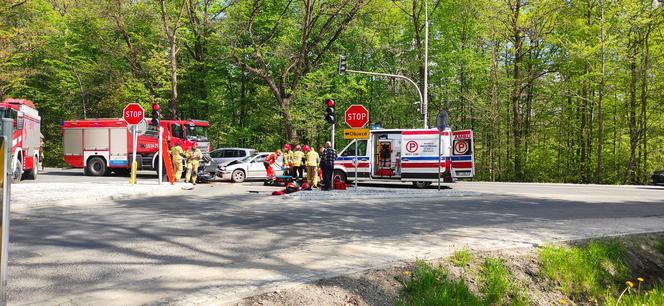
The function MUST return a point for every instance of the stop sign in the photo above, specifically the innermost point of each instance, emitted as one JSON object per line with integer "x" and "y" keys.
{"x": 133, "y": 113}
{"x": 357, "y": 116}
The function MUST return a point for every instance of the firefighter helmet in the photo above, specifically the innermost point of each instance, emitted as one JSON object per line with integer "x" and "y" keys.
{"x": 287, "y": 147}
{"x": 306, "y": 148}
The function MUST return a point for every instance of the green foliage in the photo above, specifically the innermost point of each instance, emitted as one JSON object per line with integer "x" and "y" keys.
{"x": 461, "y": 258}
{"x": 429, "y": 286}
{"x": 89, "y": 58}
{"x": 585, "y": 271}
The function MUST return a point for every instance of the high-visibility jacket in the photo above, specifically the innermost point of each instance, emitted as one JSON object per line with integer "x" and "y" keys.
{"x": 177, "y": 153}
{"x": 288, "y": 158}
{"x": 312, "y": 159}
{"x": 298, "y": 156}
{"x": 194, "y": 157}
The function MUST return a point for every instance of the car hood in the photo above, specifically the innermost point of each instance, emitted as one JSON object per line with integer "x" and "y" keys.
{"x": 660, "y": 172}
{"x": 231, "y": 163}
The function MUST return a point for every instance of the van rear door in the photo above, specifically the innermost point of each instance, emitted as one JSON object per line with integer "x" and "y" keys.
{"x": 463, "y": 160}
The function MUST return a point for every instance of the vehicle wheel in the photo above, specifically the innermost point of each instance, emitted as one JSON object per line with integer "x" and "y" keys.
{"x": 421, "y": 185}
{"x": 17, "y": 172}
{"x": 340, "y": 175}
{"x": 32, "y": 175}
{"x": 96, "y": 167}
{"x": 238, "y": 176}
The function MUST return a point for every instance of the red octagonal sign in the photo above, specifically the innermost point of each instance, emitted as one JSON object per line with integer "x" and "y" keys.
{"x": 357, "y": 116}
{"x": 133, "y": 113}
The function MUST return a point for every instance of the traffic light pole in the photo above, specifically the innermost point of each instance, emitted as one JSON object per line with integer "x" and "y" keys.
{"x": 398, "y": 76}
{"x": 333, "y": 125}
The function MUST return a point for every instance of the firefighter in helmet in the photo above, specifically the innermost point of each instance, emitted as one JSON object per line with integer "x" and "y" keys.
{"x": 311, "y": 162}
{"x": 288, "y": 160}
{"x": 194, "y": 156}
{"x": 178, "y": 155}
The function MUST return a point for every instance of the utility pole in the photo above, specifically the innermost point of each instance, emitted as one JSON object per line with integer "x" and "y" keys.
{"x": 425, "y": 103}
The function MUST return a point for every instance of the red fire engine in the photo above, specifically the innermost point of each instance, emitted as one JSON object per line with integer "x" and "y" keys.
{"x": 26, "y": 141}
{"x": 103, "y": 145}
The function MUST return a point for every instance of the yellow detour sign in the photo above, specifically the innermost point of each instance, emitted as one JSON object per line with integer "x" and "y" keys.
{"x": 356, "y": 133}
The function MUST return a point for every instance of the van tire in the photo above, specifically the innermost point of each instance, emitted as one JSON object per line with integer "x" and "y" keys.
{"x": 96, "y": 167}
{"x": 421, "y": 185}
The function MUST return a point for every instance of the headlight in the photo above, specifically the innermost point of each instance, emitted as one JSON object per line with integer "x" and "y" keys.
{"x": 221, "y": 168}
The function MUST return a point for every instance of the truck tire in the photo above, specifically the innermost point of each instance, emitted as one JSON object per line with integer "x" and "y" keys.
{"x": 96, "y": 167}
{"x": 32, "y": 175}
{"x": 238, "y": 176}
{"x": 17, "y": 172}
{"x": 338, "y": 174}
{"x": 421, "y": 185}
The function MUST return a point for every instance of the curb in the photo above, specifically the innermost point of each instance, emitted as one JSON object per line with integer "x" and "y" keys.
{"x": 91, "y": 200}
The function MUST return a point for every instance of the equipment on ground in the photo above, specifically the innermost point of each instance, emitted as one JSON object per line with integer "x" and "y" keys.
{"x": 26, "y": 140}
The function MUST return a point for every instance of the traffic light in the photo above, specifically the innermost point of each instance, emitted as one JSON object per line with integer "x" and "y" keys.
{"x": 342, "y": 64}
{"x": 155, "y": 114}
{"x": 330, "y": 116}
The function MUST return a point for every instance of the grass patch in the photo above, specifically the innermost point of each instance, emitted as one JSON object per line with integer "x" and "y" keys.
{"x": 660, "y": 244}
{"x": 461, "y": 258}
{"x": 585, "y": 273}
{"x": 497, "y": 284}
{"x": 432, "y": 286}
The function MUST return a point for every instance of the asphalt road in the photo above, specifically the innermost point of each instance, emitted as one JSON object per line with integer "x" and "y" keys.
{"x": 221, "y": 242}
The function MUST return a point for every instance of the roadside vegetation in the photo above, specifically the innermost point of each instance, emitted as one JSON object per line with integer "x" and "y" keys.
{"x": 598, "y": 273}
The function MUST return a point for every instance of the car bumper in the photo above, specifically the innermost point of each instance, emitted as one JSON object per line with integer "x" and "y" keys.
{"x": 225, "y": 176}
{"x": 657, "y": 180}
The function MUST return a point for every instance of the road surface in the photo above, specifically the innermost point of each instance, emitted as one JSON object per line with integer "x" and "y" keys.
{"x": 221, "y": 242}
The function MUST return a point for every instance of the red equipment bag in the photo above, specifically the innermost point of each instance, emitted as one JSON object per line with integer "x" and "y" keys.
{"x": 339, "y": 185}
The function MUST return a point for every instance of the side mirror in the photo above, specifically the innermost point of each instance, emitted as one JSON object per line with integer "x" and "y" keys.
{"x": 20, "y": 122}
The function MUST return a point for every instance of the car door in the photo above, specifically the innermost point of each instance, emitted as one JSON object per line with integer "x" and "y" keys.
{"x": 256, "y": 169}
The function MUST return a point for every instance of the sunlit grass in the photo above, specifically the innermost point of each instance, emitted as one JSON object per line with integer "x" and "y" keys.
{"x": 587, "y": 272}
{"x": 461, "y": 258}
{"x": 429, "y": 286}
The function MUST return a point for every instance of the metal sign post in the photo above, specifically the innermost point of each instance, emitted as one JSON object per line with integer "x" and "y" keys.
{"x": 161, "y": 150}
{"x": 5, "y": 182}
{"x": 440, "y": 147}
{"x": 134, "y": 163}
{"x": 355, "y": 163}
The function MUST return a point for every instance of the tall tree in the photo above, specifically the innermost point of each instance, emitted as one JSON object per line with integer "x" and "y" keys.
{"x": 287, "y": 40}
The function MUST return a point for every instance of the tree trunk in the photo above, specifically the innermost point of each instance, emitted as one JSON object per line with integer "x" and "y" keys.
{"x": 172, "y": 56}
{"x": 600, "y": 100}
{"x": 516, "y": 90}
{"x": 633, "y": 135}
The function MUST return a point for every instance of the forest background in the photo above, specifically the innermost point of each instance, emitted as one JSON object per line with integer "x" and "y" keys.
{"x": 555, "y": 90}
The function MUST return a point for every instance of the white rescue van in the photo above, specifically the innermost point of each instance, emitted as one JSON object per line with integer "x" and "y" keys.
{"x": 408, "y": 155}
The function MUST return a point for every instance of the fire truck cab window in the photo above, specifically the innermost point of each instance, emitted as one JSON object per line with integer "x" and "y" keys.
{"x": 152, "y": 131}
{"x": 176, "y": 131}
